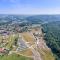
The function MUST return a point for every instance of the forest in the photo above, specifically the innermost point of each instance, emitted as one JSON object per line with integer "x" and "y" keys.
{"x": 52, "y": 37}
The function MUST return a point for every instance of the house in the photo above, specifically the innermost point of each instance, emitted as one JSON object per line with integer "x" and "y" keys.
{"x": 1, "y": 50}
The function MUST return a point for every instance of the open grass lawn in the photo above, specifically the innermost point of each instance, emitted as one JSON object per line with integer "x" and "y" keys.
{"x": 11, "y": 40}
{"x": 28, "y": 37}
{"x": 1, "y": 38}
{"x": 14, "y": 57}
{"x": 27, "y": 52}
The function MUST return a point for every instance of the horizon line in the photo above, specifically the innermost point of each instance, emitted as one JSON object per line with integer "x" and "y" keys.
{"x": 28, "y": 14}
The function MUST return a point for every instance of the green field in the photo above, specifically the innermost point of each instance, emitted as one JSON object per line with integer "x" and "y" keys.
{"x": 14, "y": 57}
{"x": 11, "y": 40}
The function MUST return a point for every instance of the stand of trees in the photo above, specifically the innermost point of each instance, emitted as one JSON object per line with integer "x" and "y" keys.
{"x": 52, "y": 37}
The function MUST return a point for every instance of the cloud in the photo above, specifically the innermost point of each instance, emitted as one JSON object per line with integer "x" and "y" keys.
{"x": 12, "y": 1}
{"x": 26, "y": 7}
{"x": 30, "y": 11}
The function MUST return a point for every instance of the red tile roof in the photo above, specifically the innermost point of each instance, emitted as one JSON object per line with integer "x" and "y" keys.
{"x": 1, "y": 49}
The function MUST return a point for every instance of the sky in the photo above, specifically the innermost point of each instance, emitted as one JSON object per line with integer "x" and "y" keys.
{"x": 29, "y": 6}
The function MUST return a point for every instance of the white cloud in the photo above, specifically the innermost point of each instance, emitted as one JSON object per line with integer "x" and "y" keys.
{"x": 26, "y": 10}
{"x": 12, "y": 1}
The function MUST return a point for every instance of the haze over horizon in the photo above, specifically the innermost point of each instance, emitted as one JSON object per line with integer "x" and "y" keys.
{"x": 29, "y": 6}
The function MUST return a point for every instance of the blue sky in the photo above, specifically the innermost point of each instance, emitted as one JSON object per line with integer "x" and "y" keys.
{"x": 29, "y": 6}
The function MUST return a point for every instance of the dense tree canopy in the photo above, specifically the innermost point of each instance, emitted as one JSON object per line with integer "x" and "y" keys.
{"x": 52, "y": 37}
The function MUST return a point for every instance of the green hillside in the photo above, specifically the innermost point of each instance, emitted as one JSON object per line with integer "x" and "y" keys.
{"x": 14, "y": 57}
